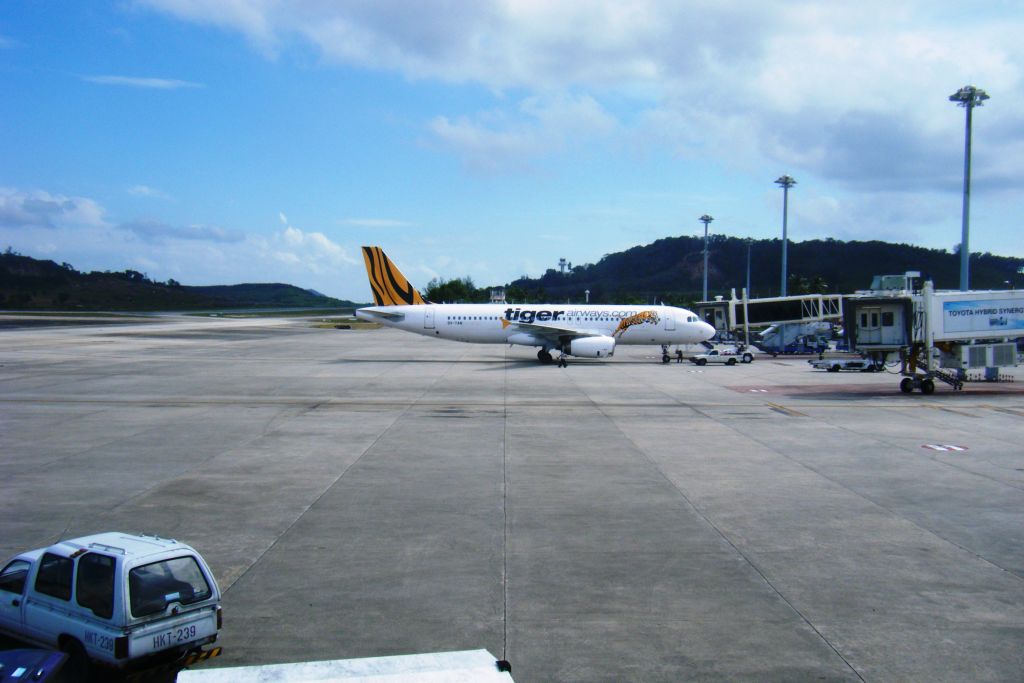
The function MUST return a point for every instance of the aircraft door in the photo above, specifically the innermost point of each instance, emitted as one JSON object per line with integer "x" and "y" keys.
{"x": 870, "y": 331}
{"x": 428, "y": 318}
{"x": 670, "y": 322}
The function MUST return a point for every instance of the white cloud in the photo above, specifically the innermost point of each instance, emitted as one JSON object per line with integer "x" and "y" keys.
{"x": 75, "y": 229}
{"x": 750, "y": 83}
{"x": 311, "y": 252}
{"x": 871, "y": 215}
{"x": 157, "y": 231}
{"x": 501, "y": 140}
{"x": 148, "y": 192}
{"x": 251, "y": 17}
{"x": 41, "y": 209}
{"x": 136, "y": 82}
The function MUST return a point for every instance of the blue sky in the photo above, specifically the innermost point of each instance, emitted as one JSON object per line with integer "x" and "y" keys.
{"x": 265, "y": 140}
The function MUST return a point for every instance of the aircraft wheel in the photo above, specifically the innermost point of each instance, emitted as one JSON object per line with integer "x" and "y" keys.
{"x": 906, "y": 385}
{"x": 544, "y": 357}
{"x": 665, "y": 358}
{"x": 927, "y": 386}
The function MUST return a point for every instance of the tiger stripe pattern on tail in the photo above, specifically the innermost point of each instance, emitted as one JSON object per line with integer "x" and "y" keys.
{"x": 390, "y": 288}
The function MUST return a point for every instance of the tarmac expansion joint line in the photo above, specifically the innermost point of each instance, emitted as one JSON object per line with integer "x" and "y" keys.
{"x": 880, "y": 506}
{"x": 409, "y": 406}
{"x": 726, "y": 538}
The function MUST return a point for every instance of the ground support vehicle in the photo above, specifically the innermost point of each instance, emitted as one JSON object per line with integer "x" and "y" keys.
{"x": 837, "y": 364}
{"x": 716, "y": 356}
{"x": 112, "y": 600}
{"x": 739, "y": 349}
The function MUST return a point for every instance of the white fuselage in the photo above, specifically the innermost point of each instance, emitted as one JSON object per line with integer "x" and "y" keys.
{"x": 544, "y": 325}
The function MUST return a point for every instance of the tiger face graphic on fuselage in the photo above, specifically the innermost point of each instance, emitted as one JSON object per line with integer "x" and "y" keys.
{"x": 637, "y": 319}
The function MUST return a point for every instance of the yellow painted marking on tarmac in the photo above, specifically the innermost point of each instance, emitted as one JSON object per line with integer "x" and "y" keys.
{"x": 785, "y": 411}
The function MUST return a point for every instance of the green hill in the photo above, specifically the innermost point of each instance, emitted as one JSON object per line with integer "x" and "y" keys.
{"x": 671, "y": 270}
{"x": 32, "y": 284}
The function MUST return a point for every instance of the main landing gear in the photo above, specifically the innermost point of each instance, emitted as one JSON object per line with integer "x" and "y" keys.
{"x": 544, "y": 356}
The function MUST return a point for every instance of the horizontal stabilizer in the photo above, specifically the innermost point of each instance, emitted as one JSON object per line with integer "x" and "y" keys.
{"x": 378, "y": 313}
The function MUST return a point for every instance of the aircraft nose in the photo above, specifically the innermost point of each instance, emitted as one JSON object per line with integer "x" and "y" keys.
{"x": 707, "y": 330}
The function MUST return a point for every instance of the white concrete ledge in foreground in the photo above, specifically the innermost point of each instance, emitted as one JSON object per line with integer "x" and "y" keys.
{"x": 468, "y": 665}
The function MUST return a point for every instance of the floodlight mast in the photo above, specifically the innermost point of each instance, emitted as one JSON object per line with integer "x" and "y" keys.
{"x": 750, "y": 241}
{"x": 785, "y": 182}
{"x": 705, "y": 219}
{"x": 967, "y": 97}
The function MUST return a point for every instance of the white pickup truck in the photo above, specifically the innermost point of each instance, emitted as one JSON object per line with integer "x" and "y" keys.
{"x": 117, "y": 600}
{"x": 728, "y": 357}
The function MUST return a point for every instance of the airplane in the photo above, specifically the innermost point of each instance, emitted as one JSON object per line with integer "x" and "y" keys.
{"x": 581, "y": 330}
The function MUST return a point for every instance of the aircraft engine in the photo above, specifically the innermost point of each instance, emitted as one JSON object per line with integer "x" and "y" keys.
{"x": 592, "y": 347}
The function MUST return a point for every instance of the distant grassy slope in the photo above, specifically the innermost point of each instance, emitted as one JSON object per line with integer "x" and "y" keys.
{"x": 32, "y": 284}
{"x": 255, "y": 295}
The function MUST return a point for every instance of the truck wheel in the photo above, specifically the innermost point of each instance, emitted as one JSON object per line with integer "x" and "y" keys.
{"x": 927, "y": 386}
{"x": 702, "y": 361}
{"x": 834, "y": 368}
{"x": 731, "y": 361}
{"x": 907, "y": 385}
{"x": 77, "y": 668}
{"x": 748, "y": 358}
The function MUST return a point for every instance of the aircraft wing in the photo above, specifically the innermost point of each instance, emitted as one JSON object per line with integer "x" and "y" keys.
{"x": 554, "y": 332}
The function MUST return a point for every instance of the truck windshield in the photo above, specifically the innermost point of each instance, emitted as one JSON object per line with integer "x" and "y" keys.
{"x": 154, "y": 586}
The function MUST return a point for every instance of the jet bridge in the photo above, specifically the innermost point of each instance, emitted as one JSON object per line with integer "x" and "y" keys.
{"x": 735, "y": 316}
{"x": 946, "y": 336}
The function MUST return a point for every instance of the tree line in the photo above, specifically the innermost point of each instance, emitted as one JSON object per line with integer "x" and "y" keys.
{"x": 670, "y": 270}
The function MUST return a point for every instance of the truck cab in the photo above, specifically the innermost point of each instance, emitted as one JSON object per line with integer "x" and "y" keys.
{"x": 119, "y": 600}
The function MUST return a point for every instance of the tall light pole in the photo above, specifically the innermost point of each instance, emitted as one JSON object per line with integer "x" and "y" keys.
{"x": 785, "y": 182}
{"x": 967, "y": 97}
{"x": 750, "y": 241}
{"x": 746, "y": 298}
{"x": 705, "y": 219}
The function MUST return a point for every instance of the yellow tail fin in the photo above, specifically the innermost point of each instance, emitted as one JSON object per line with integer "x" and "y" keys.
{"x": 390, "y": 288}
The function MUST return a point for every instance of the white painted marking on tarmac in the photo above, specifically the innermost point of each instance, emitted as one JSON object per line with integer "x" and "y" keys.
{"x": 943, "y": 447}
{"x": 758, "y": 391}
